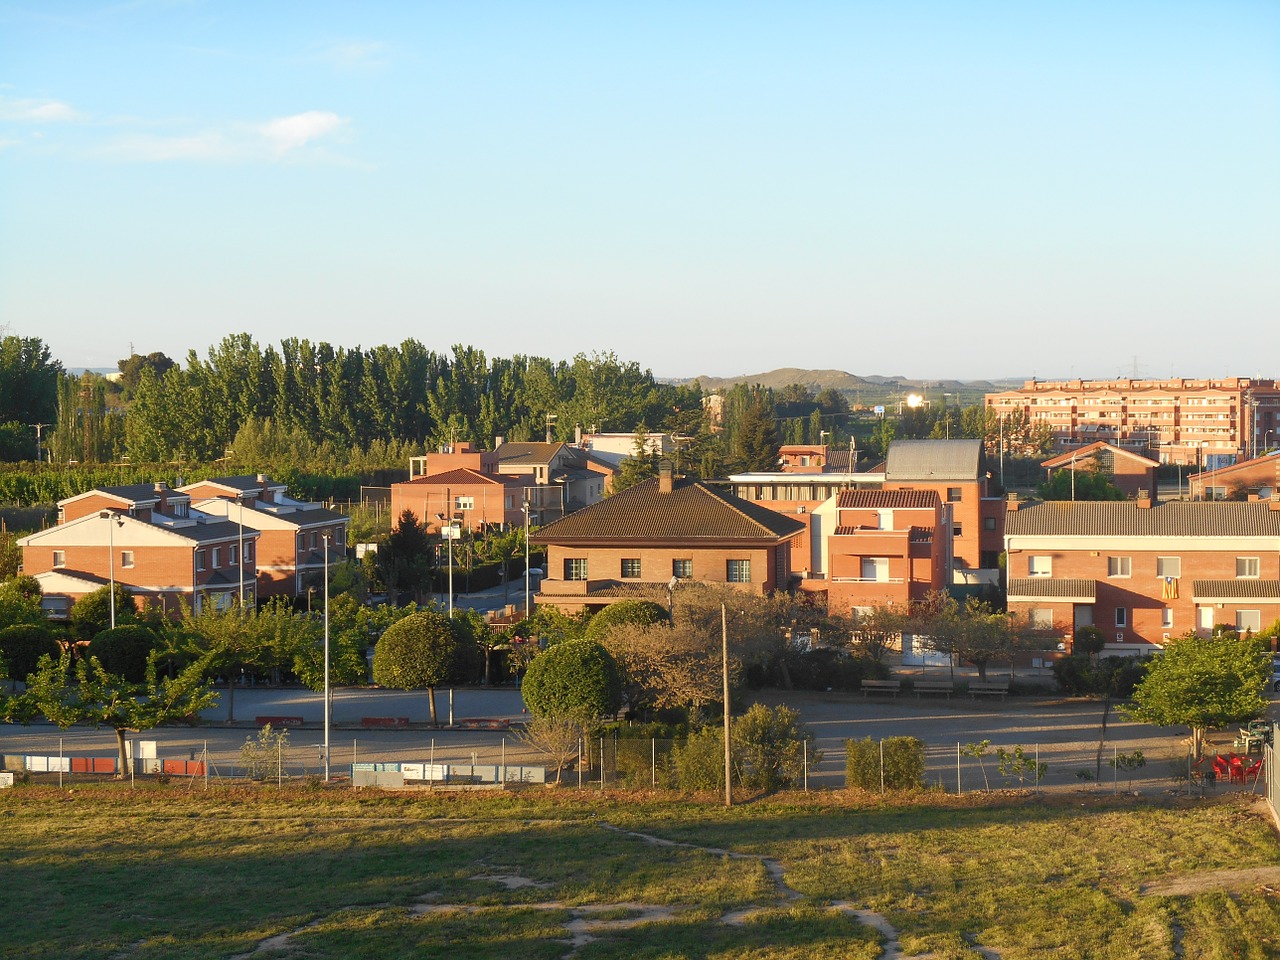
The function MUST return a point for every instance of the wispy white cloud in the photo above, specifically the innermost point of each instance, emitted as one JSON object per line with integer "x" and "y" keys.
{"x": 240, "y": 142}
{"x": 291, "y": 133}
{"x": 18, "y": 110}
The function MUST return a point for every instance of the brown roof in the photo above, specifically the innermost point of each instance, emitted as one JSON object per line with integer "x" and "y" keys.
{"x": 1237, "y": 589}
{"x": 888, "y": 499}
{"x": 528, "y": 452}
{"x": 1082, "y": 454}
{"x": 691, "y": 511}
{"x": 461, "y": 475}
{"x": 1081, "y": 518}
{"x": 1035, "y": 587}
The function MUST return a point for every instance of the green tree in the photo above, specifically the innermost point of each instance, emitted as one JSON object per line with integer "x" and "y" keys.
{"x": 91, "y": 614}
{"x": 125, "y": 651}
{"x": 756, "y": 439}
{"x": 640, "y": 466}
{"x": 28, "y": 386}
{"x": 22, "y": 646}
{"x": 1088, "y": 485}
{"x": 643, "y": 612}
{"x": 768, "y": 748}
{"x": 404, "y": 559}
{"x": 20, "y": 602}
{"x": 415, "y": 653}
{"x": 88, "y": 694}
{"x": 1204, "y": 683}
{"x": 577, "y": 680}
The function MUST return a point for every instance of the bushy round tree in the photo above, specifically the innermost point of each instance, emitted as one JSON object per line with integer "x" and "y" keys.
{"x": 415, "y": 653}
{"x": 22, "y": 646}
{"x": 124, "y": 650}
{"x": 642, "y": 612}
{"x": 577, "y": 680}
{"x": 91, "y": 614}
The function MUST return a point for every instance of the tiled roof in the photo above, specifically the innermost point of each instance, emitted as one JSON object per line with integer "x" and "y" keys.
{"x": 1035, "y": 587}
{"x": 462, "y": 475}
{"x": 318, "y": 516}
{"x": 1080, "y": 518}
{"x": 245, "y": 483}
{"x": 888, "y": 499}
{"x": 934, "y": 460}
{"x": 218, "y": 530}
{"x": 617, "y": 589}
{"x": 530, "y": 453}
{"x": 1237, "y": 589}
{"x": 691, "y": 511}
{"x": 141, "y": 493}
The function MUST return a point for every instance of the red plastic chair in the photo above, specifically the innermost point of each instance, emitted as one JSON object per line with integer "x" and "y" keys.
{"x": 1252, "y": 772}
{"x": 1221, "y": 766}
{"x": 1237, "y": 769}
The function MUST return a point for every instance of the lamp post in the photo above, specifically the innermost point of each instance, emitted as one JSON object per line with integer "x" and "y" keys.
{"x": 240, "y": 553}
{"x": 112, "y": 522}
{"x": 527, "y": 607}
{"x": 449, "y": 531}
{"x": 326, "y": 656}
{"x": 946, "y": 412}
{"x": 1265, "y": 445}
{"x": 1073, "y": 475}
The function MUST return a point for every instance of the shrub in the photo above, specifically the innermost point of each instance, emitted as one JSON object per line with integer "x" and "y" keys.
{"x": 642, "y": 612}
{"x": 124, "y": 651}
{"x": 903, "y": 767}
{"x": 1117, "y": 676}
{"x": 577, "y": 679}
{"x": 91, "y": 614}
{"x": 699, "y": 761}
{"x": 831, "y": 670}
{"x": 769, "y": 748}
{"x": 23, "y": 645}
{"x": 261, "y": 758}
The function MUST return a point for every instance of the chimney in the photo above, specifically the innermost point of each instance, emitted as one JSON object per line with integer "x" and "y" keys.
{"x": 665, "y": 479}
{"x": 1012, "y": 504}
{"x": 498, "y": 441}
{"x": 1144, "y": 499}
{"x": 161, "y": 491}
{"x": 577, "y": 434}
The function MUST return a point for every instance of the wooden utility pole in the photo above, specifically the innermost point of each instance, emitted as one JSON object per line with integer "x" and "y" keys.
{"x": 724, "y": 652}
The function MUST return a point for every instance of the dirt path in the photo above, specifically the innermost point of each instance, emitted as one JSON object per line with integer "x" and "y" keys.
{"x": 1230, "y": 881}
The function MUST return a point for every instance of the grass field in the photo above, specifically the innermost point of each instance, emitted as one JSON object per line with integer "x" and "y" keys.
{"x": 160, "y": 872}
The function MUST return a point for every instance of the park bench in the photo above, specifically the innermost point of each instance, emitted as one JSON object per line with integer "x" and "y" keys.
{"x": 933, "y": 686}
{"x": 992, "y": 687}
{"x": 881, "y": 686}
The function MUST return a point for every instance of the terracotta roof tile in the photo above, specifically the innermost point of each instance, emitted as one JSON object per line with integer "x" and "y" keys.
{"x": 888, "y": 499}
{"x": 1080, "y": 518}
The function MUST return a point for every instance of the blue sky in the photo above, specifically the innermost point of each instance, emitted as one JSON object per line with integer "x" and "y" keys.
{"x": 927, "y": 189}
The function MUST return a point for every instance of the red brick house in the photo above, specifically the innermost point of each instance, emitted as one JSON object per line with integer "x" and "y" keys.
{"x": 147, "y": 538}
{"x": 1143, "y": 572}
{"x": 1259, "y": 478}
{"x": 633, "y": 544}
{"x": 1131, "y": 472}
{"x": 887, "y": 547}
{"x": 291, "y": 533}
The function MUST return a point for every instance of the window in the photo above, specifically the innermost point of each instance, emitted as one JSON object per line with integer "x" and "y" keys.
{"x": 738, "y": 571}
{"x": 1119, "y": 566}
{"x": 233, "y": 555}
{"x": 988, "y": 523}
{"x": 1041, "y": 618}
{"x": 1247, "y": 567}
{"x": 1250, "y": 620}
{"x": 248, "y": 552}
{"x": 1166, "y": 618}
{"x": 199, "y": 559}
{"x": 682, "y": 569}
{"x": 1040, "y": 566}
{"x": 631, "y": 568}
{"x": 575, "y": 568}
{"x": 217, "y": 557}
{"x": 954, "y": 494}
{"x": 126, "y": 558}
{"x": 957, "y": 529}
{"x": 464, "y": 503}
{"x": 1168, "y": 566}
{"x": 59, "y": 558}
{"x": 1122, "y": 616}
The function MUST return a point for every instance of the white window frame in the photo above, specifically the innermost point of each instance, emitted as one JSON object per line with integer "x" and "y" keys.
{"x": 215, "y": 558}
{"x": 1165, "y": 562}
{"x": 59, "y": 558}
{"x": 1040, "y": 565}
{"x": 1248, "y": 620}
{"x": 1040, "y": 618}
{"x": 200, "y": 560}
{"x": 1248, "y": 563}
{"x": 126, "y": 559}
{"x": 1119, "y": 568}
{"x": 737, "y": 571}
{"x": 1122, "y": 618}
{"x": 464, "y": 503}
{"x": 1166, "y": 618}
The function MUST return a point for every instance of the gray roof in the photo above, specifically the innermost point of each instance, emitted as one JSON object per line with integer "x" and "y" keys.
{"x": 935, "y": 460}
{"x": 1237, "y": 589}
{"x": 1036, "y": 587}
{"x": 245, "y": 483}
{"x": 142, "y": 493}
{"x": 1079, "y": 518}
{"x": 217, "y": 530}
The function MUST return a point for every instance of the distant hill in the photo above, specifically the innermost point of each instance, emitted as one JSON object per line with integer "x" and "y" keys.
{"x": 868, "y": 389}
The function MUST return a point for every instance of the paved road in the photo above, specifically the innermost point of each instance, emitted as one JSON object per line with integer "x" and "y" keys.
{"x": 1062, "y": 733}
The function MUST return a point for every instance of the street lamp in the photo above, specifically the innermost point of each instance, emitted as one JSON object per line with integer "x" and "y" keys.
{"x": 109, "y": 516}
{"x": 527, "y": 607}
{"x": 946, "y": 412}
{"x": 326, "y": 656}
{"x": 1265, "y": 445}
{"x": 449, "y": 531}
